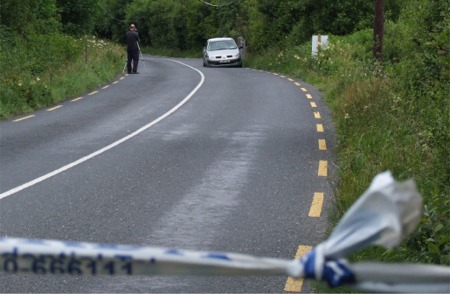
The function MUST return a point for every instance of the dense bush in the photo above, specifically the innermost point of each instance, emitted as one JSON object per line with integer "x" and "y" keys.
{"x": 33, "y": 65}
{"x": 25, "y": 61}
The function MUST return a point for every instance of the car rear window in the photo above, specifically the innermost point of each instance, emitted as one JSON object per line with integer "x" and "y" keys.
{"x": 222, "y": 45}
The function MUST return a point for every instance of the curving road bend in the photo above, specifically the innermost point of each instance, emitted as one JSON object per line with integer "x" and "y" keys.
{"x": 179, "y": 156}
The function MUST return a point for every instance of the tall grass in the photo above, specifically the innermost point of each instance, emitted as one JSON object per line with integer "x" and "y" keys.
{"x": 41, "y": 70}
{"x": 100, "y": 64}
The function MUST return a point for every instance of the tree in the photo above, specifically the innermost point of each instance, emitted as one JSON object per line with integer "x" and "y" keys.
{"x": 299, "y": 19}
{"x": 78, "y": 17}
{"x": 111, "y": 21}
{"x": 29, "y": 16}
{"x": 378, "y": 30}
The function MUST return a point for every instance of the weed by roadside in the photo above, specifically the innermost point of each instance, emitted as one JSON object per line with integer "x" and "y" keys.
{"x": 45, "y": 69}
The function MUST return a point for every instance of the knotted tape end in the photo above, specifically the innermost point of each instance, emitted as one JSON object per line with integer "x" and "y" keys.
{"x": 336, "y": 272}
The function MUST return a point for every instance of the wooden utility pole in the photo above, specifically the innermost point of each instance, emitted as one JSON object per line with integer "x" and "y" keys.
{"x": 378, "y": 30}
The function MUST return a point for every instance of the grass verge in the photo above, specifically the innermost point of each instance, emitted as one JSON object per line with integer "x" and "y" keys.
{"x": 69, "y": 68}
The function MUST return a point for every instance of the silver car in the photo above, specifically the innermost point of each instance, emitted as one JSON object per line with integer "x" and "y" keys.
{"x": 221, "y": 52}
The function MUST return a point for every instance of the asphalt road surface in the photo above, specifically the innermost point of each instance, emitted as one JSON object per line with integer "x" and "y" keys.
{"x": 179, "y": 156}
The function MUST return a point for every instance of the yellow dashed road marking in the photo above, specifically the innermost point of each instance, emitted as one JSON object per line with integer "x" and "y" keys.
{"x": 122, "y": 78}
{"x": 92, "y": 93}
{"x": 296, "y": 285}
{"x": 323, "y": 168}
{"x": 276, "y": 74}
{"x": 54, "y": 108}
{"x": 316, "y": 206}
{"x": 115, "y": 82}
{"x": 322, "y": 144}
{"x": 23, "y": 118}
{"x": 291, "y": 80}
{"x": 105, "y": 87}
{"x": 320, "y": 128}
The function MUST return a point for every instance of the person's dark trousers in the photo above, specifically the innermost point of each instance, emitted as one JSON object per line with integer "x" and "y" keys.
{"x": 132, "y": 55}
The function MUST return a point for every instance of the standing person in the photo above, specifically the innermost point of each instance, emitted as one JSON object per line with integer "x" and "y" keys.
{"x": 132, "y": 50}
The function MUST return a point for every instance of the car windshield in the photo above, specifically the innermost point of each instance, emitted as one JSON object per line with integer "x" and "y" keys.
{"x": 221, "y": 45}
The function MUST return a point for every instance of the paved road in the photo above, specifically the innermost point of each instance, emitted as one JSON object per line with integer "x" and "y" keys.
{"x": 179, "y": 156}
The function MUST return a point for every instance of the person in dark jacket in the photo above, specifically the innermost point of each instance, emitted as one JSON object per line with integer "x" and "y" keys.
{"x": 132, "y": 50}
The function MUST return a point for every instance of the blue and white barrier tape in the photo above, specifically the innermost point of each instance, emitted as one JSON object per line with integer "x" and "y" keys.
{"x": 29, "y": 256}
{"x": 57, "y": 257}
{"x": 335, "y": 272}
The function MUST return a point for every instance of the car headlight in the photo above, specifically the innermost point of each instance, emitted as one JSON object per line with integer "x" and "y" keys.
{"x": 237, "y": 55}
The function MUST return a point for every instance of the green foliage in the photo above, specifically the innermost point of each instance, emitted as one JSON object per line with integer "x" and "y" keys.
{"x": 421, "y": 63}
{"x": 432, "y": 239}
{"x": 186, "y": 24}
{"x": 27, "y": 60}
{"x": 183, "y": 25}
{"x": 392, "y": 116}
{"x": 78, "y": 17}
{"x": 297, "y": 20}
{"x": 38, "y": 67}
{"x": 29, "y": 16}
{"x": 153, "y": 19}
{"x": 111, "y": 19}
{"x": 100, "y": 62}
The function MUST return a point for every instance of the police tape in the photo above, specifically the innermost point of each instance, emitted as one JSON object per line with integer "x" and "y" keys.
{"x": 57, "y": 257}
{"x": 384, "y": 215}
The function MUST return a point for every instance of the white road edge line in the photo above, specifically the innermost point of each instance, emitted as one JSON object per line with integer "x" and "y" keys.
{"x": 104, "y": 149}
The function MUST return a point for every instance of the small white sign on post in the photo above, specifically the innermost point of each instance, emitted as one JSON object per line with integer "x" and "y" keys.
{"x": 318, "y": 41}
